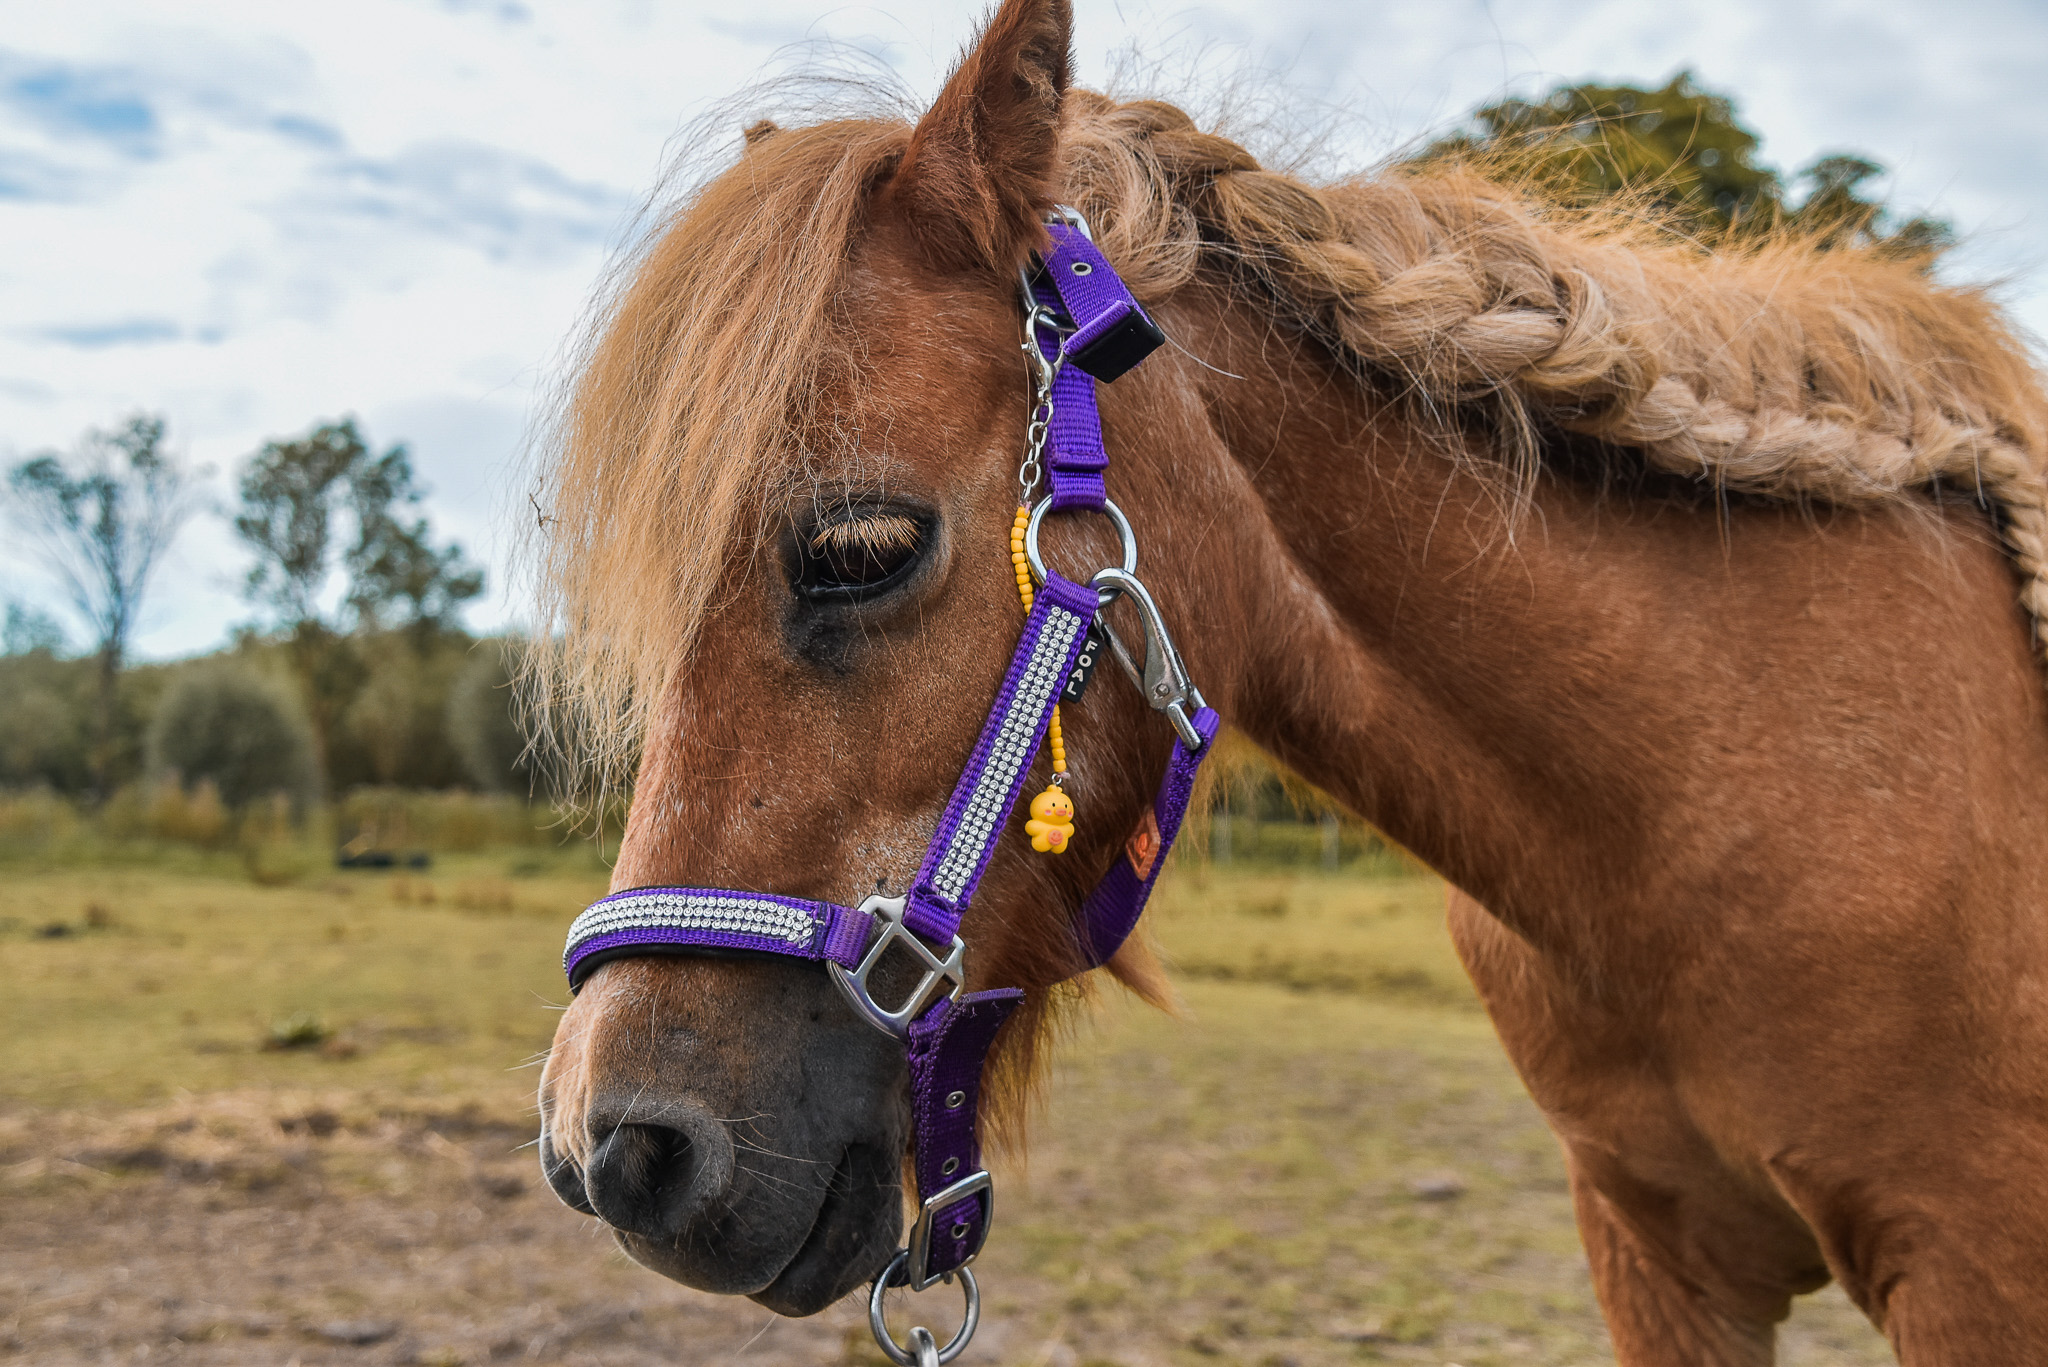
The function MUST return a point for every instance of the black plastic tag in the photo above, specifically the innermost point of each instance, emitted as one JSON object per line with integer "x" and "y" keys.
{"x": 1092, "y": 647}
{"x": 1120, "y": 348}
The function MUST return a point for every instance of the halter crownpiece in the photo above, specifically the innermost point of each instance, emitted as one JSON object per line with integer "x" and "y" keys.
{"x": 1081, "y": 326}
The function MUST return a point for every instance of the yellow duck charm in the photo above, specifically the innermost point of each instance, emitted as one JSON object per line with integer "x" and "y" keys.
{"x": 1052, "y": 821}
{"x": 1052, "y": 812}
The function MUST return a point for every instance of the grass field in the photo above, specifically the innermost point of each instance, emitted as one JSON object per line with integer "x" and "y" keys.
{"x": 249, "y": 1124}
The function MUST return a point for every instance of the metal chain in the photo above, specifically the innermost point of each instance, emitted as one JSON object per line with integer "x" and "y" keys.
{"x": 1044, "y": 370}
{"x": 1033, "y": 469}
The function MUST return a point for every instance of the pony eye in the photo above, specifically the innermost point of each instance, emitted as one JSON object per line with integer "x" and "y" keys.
{"x": 859, "y": 557}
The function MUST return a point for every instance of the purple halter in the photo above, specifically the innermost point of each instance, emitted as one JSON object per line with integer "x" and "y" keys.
{"x": 1082, "y": 325}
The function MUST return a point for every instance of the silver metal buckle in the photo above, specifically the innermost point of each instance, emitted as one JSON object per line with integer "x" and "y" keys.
{"x": 1071, "y": 216}
{"x": 887, "y": 913}
{"x": 917, "y": 1267}
{"x": 1163, "y": 680}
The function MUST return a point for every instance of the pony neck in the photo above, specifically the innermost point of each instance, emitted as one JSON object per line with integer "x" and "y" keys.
{"x": 1481, "y": 672}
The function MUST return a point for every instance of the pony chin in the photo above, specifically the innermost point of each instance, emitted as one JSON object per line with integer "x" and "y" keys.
{"x": 851, "y": 1237}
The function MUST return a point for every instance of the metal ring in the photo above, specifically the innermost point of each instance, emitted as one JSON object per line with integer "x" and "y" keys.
{"x": 1123, "y": 530}
{"x": 880, "y": 1326}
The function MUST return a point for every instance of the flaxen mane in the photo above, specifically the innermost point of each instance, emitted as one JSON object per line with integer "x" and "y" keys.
{"x": 1774, "y": 368}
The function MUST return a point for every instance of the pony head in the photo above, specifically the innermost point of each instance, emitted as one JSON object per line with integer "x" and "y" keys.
{"x": 779, "y": 555}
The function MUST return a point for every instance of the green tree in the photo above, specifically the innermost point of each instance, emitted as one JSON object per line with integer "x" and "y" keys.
{"x": 30, "y": 630}
{"x": 103, "y": 516}
{"x": 46, "y": 709}
{"x": 1681, "y": 151}
{"x": 394, "y": 563}
{"x": 290, "y": 493}
{"x": 323, "y": 502}
{"x": 295, "y": 496}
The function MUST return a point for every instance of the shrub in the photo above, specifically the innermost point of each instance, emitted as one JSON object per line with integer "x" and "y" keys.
{"x": 382, "y": 721}
{"x": 483, "y": 723}
{"x": 37, "y": 821}
{"x": 44, "y": 722}
{"x": 243, "y": 730}
{"x": 196, "y": 816}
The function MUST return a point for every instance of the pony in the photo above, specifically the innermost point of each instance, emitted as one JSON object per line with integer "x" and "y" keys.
{"x": 1677, "y": 604}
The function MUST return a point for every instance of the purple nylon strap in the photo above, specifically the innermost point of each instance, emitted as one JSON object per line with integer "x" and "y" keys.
{"x": 947, "y": 1047}
{"x": 1111, "y": 334}
{"x": 949, "y": 1044}
{"x": 996, "y": 773}
{"x": 1111, "y": 911}
{"x": 1074, "y": 456}
{"x": 671, "y": 920}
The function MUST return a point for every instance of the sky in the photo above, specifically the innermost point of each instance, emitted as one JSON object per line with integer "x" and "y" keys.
{"x": 250, "y": 217}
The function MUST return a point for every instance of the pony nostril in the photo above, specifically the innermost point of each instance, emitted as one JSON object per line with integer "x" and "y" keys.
{"x": 564, "y": 1178}
{"x": 653, "y": 1179}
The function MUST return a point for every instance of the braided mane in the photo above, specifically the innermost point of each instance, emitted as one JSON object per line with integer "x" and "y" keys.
{"x": 1771, "y": 368}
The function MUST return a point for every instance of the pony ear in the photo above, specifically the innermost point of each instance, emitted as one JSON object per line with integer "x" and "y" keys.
{"x": 977, "y": 178}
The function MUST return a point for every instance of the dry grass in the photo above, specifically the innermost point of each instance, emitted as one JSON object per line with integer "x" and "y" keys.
{"x": 1379, "y": 937}
{"x": 1248, "y": 1184}
{"x": 433, "y": 983}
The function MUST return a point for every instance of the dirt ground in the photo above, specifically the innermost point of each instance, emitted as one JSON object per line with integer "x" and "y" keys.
{"x": 1305, "y": 1169}
{"x": 422, "y": 1239}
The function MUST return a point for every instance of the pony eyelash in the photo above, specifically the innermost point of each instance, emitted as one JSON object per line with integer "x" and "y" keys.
{"x": 875, "y": 532}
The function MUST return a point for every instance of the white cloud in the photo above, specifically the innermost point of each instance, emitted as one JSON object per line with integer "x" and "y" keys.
{"x": 260, "y": 215}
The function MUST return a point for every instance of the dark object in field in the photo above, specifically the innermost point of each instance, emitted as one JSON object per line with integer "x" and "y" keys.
{"x": 300, "y": 1030}
{"x": 145, "y": 1158}
{"x": 1437, "y": 1187}
{"x": 372, "y": 848}
{"x": 357, "y": 1333}
{"x": 381, "y": 859}
{"x": 318, "y": 1124}
{"x": 56, "y": 930}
